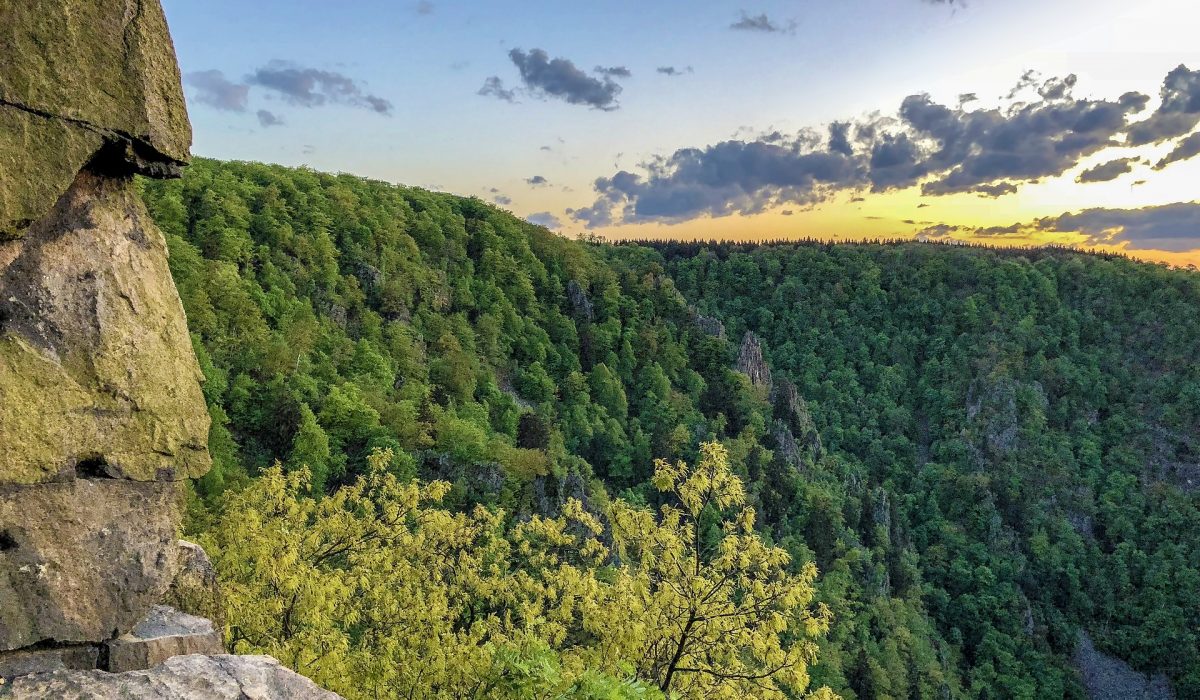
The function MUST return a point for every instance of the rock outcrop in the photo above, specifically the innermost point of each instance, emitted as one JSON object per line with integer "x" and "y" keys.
{"x": 84, "y": 82}
{"x": 1109, "y": 678}
{"x": 83, "y": 558}
{"x": 195, "y": 589}
{"x": 96, "y": 365}
{"x": 752, "y": 362}
{"x": 101, "y": 413}
{"x": 194, "y": 677}
{"x": 164, "y": 633}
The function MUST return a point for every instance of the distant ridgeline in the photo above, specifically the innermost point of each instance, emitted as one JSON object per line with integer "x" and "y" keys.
{"x": 984, "y": 452}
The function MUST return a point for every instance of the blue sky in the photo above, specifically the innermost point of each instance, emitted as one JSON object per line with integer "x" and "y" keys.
{"x": 852, "y": 60}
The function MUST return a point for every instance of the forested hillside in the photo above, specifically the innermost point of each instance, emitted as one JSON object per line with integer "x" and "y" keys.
{"x": 981, "y": 452}
{"x": 1026, "y": 420}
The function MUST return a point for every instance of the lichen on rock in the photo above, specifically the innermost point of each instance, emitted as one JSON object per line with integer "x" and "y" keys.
{"x": 95, "y": 358}
{"x": 83, "y": 558}
{"x": 193, "y": 677}
{"x": 77, "y": 75}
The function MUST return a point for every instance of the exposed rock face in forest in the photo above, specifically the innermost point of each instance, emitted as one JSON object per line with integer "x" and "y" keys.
{"x": 708, "y": 324}
{"x": 796, "y": 436}
{"x": 752, "y": 363}
{"x": 1109, "y": 678}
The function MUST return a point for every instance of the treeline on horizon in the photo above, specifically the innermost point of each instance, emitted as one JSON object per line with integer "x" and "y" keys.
{"x": 723, "y": 247}
{"x": 983, "y": 450}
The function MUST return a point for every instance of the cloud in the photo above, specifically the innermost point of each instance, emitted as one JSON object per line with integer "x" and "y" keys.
{"x": 544, "y": 218}
{"x": 494, "y": 87}
{"x": 1185, "y": 148}
{"x": 537, "y": 181}
{"x": 595, "y": 216}
{"x": 1172, "y": 227}
{"x": 562, "y": 79}
{"x": 424, "y": 7}
{"x": 762, "y": 23}
{"x": 672, "y": 71}
{"x": 727, "y": 178}
{"x": 937, "y": 232}
{"x": 991, "y": 151}
{"x": 312, "y": 87}
{"x": 268, "y": 119}
{"x": 839, "y": 138}
{"x": 1111, "y": 170}
{"x": 1177, "y": 114}
{"x": 614, "y": 71}
{"x": 212, "y": 88}
{"x": 501, "y": 199}
{"x": 995, "y": 189}
{"x": 972, "y": 150}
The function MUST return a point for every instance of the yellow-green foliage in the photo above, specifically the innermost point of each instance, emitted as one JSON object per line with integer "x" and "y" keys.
{"x": 375, "y": 591}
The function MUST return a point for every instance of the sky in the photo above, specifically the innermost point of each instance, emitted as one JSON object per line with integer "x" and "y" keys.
{"x": 1006, "y": 122}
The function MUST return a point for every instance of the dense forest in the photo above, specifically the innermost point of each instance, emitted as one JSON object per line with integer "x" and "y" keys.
{"x": 448, "y": 440}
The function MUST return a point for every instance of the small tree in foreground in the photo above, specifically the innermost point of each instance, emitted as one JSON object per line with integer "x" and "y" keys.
{"x": 374, "y": 591}
{"x": 717, "y": 616}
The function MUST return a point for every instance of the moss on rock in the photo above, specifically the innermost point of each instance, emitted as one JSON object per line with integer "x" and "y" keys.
{"x": 78, "y": 74}
{"x": 96, "y": 365}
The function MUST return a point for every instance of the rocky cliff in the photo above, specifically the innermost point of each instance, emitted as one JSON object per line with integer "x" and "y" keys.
{"x": 101, "y": 414}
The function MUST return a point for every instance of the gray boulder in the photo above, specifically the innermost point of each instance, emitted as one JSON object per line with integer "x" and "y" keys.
{"x": 194, "y": 677}
{"x": 164, "y": 633}
{"x": 195, "y": 589}
{"x": 83, "y": 560}
{"x": 1109, "y": 678}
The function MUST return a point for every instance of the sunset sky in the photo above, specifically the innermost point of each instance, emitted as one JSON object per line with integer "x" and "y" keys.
{"x": 1001, "y": 121}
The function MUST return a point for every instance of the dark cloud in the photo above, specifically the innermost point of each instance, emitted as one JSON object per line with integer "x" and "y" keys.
{"x": 994, "y": 189}
{"x": 494, "y": 87}
{"x": 502, "y": 199}
{"x": 839, "y": 138}
{"x": 994, "y": 231}
{"x": 424, "y": 7}
{"x": 1111, "y": 170}
{"x": 730, "y": 177}
{"x": 562, "y": 79}
{"x": 537, "y": 181}
{"x": 672, "y": 71}
{"x": 544, "y": 218}
{"x": 613, "y": 71}
{"x": 312, "y": 87}
{"x": 1172, "y": 227}
{"x": 266, "y": 119}
{"x": 762, "y": 23}
{"x": 971, "y": 151}
{"x": 1184, "y": 149}
{"x": 787, "y": 212}
{"x": 212, "y": 88}
{"x": 945, "y": 149}
{"x": 937, "y": 232}
{"x": 1177, "y": 114}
